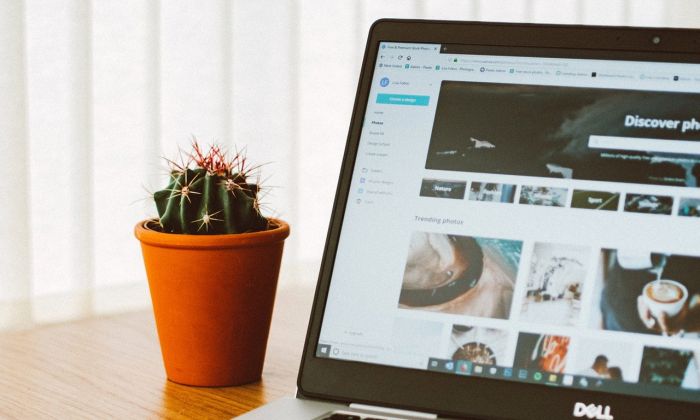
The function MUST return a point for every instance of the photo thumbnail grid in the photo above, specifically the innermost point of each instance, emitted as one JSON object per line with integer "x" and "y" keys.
{"x": 443, "y": 274}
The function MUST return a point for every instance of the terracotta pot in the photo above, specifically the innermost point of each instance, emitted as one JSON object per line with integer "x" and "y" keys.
{"x": 212, "y": 299}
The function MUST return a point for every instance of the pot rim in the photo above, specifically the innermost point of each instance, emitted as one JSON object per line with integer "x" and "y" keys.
{"x": 230, "y": 240}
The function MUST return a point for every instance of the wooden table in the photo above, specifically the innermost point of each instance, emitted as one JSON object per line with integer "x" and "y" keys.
{"x": 111, "y": 367}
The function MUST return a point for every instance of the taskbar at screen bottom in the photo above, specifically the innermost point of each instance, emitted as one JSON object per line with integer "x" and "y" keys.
{"x": 659, "y": 386}
{"x": 591, "y": 383}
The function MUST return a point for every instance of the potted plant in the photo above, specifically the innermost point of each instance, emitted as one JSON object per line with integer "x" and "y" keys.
{"x": 212, "y": 261}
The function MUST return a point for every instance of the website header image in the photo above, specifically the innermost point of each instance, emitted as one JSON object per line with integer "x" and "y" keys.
{"x": 567, "y": 132}
{"x": 460, "y": 274}
{"x": 648, "y": 293}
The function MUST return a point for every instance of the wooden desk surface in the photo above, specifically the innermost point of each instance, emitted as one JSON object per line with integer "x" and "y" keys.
{"x": 112, "y": 367}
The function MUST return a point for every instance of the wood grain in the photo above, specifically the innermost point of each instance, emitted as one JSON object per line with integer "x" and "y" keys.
{"x": 111, "y": 368}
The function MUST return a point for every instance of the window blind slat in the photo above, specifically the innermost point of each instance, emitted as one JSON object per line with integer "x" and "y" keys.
{"x": 15, "y": 248}
{"x": 265, "y": 107}
{"x": 81, "y": 169}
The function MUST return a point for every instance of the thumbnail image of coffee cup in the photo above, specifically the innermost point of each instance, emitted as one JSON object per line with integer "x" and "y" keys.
{"x": 555, "y": 284}
{"x": 492, "y": 192}
{"x": 595, "y": 200}
{"x": 651, "y": 204}
{"x": 671, "y": 367}
{"x": 648, "y": 293}
{"x": 543, "y": 196}
{"x": 689, "y": 207}
{"x": 667, "y": 297}
{"x": 542, "y": 352}
{"x": 443, "y": 189}
{"x": 480, "y": 345}
{"x": 460, "y": 274}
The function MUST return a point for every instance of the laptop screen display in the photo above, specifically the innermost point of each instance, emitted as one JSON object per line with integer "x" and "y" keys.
{"x": 524, "y": 218}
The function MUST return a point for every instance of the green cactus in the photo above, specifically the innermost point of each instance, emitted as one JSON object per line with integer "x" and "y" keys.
{"x": 213, "y": 198}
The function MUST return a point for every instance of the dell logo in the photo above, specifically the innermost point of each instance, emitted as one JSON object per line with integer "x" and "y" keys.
{"x": 592, "y": 411}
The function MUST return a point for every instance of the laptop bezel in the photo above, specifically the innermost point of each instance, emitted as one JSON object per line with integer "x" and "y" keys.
{"x": 452, "y": 395}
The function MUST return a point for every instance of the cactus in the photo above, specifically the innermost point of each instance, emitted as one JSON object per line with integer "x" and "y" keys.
{"x": 214, "y": 197}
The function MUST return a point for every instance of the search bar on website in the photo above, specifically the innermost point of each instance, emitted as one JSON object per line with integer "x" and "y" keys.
{"x": 640, "y": 144}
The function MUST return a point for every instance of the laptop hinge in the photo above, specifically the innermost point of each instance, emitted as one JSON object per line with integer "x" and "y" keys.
{"x": 393, "y": 411}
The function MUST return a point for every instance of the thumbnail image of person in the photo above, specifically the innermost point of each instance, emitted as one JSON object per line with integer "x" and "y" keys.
{"x": 599, "y": 369}
{"x": 604, "y": 359}
{"x": 615, "y": 373}
{"x": 478, "y": 344}
{"x": 650, "y": 293}
{"x": 460, "y": 274}
{"x": 555, "y": 284}
{"x": 670, "y": 367}
{"x": 543, "y": 352}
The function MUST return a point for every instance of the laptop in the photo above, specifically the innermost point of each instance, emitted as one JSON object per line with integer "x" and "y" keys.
{"x": 516, "y": 230}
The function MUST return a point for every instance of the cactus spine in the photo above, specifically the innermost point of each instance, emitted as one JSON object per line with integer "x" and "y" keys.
{"x": 215, "y": 197}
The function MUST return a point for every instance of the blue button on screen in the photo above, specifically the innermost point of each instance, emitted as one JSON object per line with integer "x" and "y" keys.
{"x": 395, "y": 99}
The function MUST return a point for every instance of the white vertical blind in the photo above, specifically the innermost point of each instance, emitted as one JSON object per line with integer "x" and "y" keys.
{"x": 125, "y": 133}
{"x": 148, "y": 81}
{"x": 330, "y": 64}
{"x": 505, "y": 10}
{"x": 681, "y": 13}
{"x": 58, "y": 80}
{"x": 15, "y": 269}
{"x": 565, "y": 11}
{"x": 95, "y": 92}
{"x": 603, "y": 12}
{"x": 452, "y": 9}
{"x": 192, "y": 71}
{"x": 80, "y": 169}
{"x": 647, "y": 13}
{"x": 265, "y": 100}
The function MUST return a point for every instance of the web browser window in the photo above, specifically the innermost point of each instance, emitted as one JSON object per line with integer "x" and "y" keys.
{"x": 531, "y": 219}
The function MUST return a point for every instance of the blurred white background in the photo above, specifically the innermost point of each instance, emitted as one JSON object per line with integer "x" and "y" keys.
{"x": 93, "y": 93}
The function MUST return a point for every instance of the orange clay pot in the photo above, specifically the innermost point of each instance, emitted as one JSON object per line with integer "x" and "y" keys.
{"x": 212, "y": 299}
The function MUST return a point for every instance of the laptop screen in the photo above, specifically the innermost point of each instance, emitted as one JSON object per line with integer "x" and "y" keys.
{"x": 524, "y": 218}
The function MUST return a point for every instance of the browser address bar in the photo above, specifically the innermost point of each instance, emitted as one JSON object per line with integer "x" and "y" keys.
{"x": 640, "y": 144}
